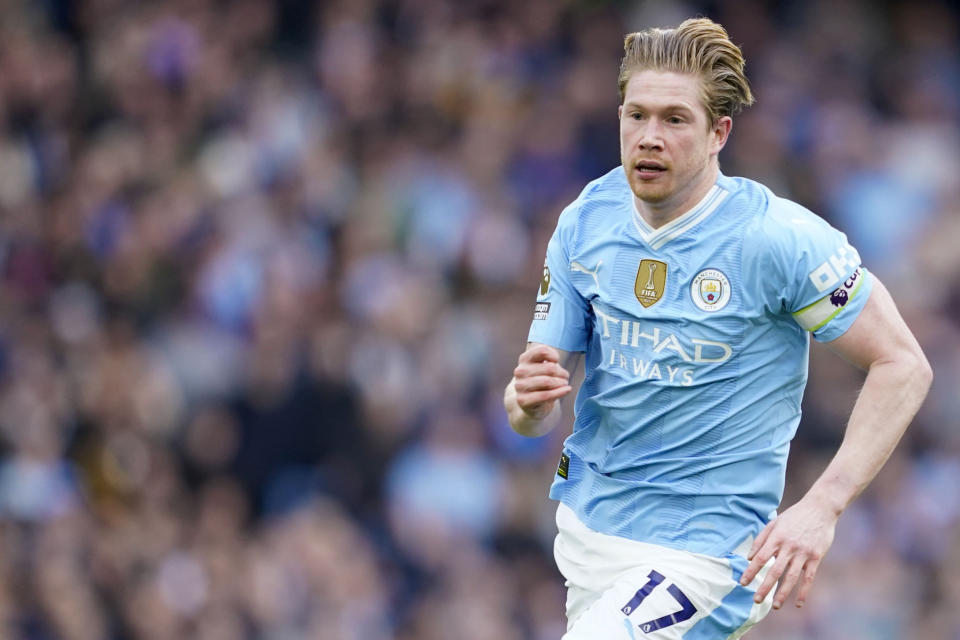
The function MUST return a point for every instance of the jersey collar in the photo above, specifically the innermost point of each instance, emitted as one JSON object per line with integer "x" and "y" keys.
{"x": 656, "y": 238}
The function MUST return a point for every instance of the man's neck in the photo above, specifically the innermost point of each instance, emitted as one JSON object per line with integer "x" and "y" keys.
{"x": 657, "y": 214}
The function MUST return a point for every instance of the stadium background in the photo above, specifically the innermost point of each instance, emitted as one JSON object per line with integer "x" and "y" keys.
{"x": 266, "y": 267}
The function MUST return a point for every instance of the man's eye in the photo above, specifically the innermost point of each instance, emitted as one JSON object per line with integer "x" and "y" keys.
{"x": 636, "y": 116}
{"x": 675, "y": 120}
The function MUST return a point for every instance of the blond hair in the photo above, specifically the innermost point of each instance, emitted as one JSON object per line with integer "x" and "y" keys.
{"x": 699, "y": 46}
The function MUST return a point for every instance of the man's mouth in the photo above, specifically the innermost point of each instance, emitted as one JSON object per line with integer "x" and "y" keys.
{"x": 650, "y": 168}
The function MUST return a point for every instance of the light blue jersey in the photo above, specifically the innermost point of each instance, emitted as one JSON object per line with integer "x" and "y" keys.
{"x": 696, "y": 343}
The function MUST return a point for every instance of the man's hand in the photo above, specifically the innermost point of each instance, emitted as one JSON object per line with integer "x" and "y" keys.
{"x": 539, "y": 380}
{"x": 798, "y": 539}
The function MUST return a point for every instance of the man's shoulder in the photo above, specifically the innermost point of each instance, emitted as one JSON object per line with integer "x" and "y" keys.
{"x": 783, "y": 235}
{"x": 610, "y": 188}
{"x": 749, "y": 198}
{"x": 771, "y": 217}
{"x": 598, "y": 197}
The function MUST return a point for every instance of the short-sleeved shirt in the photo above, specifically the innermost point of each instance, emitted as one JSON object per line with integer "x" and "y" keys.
{"x": 696, "y": 337}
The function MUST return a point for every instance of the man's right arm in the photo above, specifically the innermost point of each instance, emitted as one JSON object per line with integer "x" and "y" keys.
{"x": 541, "y": 378}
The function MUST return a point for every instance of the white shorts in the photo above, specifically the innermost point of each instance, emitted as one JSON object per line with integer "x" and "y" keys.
{"x": 620, "y": 589}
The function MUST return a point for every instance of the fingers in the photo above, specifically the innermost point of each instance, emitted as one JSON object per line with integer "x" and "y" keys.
{"x": 531, "y": 370}
{"x": 534, "y": 400}
{"x": 540, "y": 353}
{"x": 772, "y": 576}
{"x": 533, "y": 391}
{"x": 809, "y": 572}
{"x": 527, "y": 384}
{"x": 540, "y": 360}
{"x": 797, "y": 540}
{"x": 795, "y": 565}
{"x": 761, "y": 540}
{"x": 539, "y": 380}
{"x": 757, "y": 560}
{"x": 788, "y": 581}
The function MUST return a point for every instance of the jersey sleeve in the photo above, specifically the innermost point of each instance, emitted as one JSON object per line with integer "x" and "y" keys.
{"x": 561, "y": 316}
{"x": 824, "y": 287}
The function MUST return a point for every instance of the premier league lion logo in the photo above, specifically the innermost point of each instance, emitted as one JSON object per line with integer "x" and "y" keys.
{"x": 838, "y": 298}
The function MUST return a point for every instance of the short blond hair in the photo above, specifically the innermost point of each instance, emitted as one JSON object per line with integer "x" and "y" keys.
{"x": 699, "y": 46}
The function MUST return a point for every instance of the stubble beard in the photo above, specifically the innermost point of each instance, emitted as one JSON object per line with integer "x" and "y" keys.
{"x": 658, "y": 193}
{"x": 650, "y": 193}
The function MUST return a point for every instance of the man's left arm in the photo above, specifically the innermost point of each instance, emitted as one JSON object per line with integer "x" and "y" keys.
{"x": 898, "y": 377}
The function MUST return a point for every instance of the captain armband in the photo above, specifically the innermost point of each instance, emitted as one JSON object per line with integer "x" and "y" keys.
{"x": 818, "y": 314}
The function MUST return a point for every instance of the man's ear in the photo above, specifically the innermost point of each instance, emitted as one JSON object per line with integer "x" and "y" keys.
{"x": 619, "y": 112}
{"x": 720, "y": 132}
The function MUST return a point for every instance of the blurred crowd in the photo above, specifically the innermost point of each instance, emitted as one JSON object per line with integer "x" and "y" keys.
{"x": 265, "y": 268}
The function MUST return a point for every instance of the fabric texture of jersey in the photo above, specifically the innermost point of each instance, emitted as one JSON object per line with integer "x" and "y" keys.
{"x": 696, "y": 350}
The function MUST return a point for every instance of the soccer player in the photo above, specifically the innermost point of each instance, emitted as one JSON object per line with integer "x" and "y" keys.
{"x": 692, "y": 295}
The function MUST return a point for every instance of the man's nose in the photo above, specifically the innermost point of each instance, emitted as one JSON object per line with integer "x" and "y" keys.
{"x": 651, "y": 137}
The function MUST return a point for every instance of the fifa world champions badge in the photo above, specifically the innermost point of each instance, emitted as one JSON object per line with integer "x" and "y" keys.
{"x": 651, "y": 282}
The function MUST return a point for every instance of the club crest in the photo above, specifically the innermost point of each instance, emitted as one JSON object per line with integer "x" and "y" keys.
{"x": 710, "y": 290}
{"x": 651, "y": 282}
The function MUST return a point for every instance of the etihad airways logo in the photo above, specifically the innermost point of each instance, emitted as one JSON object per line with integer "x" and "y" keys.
{"x": 662, "y": 355}
{"x": 632, "y": 332}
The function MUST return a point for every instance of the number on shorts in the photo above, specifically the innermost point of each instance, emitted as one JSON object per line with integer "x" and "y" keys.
{"x": 655, "y": 579}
